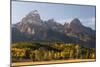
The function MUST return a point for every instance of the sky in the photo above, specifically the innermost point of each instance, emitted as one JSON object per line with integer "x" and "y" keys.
{"x": 59, "y": 12}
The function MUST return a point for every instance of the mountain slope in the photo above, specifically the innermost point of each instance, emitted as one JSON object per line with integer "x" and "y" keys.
{"x": 77, "y": 30}
{"x": 32, "y": 27}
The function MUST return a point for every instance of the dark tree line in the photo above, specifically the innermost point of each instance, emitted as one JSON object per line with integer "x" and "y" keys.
{"x": 49, "y": 51}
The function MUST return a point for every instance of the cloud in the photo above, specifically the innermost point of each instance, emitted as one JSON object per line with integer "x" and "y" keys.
{"x": 89, "y": 22}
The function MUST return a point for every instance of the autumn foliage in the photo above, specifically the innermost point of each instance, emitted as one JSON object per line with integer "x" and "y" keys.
{"x": 46, "y": 51}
